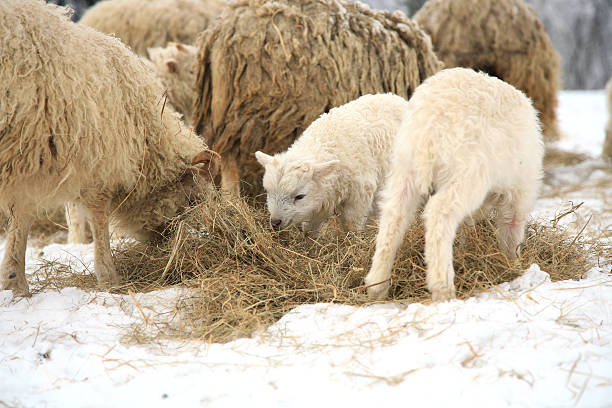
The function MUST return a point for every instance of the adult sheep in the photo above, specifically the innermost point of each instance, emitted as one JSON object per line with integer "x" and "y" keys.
{"x": 142, "y": 24}
{"x": 337, "y": 166}
{"x": 266, "y": 69}
{"x": 83, "y": 121}
{"x": 466, "y": 140}
{"x": 504, "y": 38}
{"x": 607, "y": 147}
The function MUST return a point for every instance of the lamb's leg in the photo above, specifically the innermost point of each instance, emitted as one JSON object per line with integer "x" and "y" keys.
{"x": 443, "y": 213}
{"x": 355, "y": 212}
{"x": 12, "y": 269}
{"x": 103, "y": 262}
{"x": 230, "y": 175}
{"x": 511, "y": 219}
{"x": 76, "y": 216}
{"x": 400, "y": 202}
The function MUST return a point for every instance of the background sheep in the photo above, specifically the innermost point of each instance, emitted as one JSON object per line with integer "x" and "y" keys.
{"x": 142, "y": 24}
{"x": 471, "y": 139}
{"x": 504, "y": 38}
{"x": 607, "y": 147}
{"x": 174, "y": 67}
{"x": 338, "y": 165}
{"x": 83, "y": 121}
{"x": 266, "y": 69}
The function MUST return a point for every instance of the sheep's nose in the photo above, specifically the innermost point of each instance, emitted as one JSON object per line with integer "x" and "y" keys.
{"x": 276, "y": 223}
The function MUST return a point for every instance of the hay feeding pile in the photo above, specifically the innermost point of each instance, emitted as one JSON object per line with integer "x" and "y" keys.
{"x": 244, "y": 276}
{"x": 504, "y": 38}
{"x": 267, "y": 69}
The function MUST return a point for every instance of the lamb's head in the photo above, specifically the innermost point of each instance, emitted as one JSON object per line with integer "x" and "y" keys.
{"x": 296, "y": 192}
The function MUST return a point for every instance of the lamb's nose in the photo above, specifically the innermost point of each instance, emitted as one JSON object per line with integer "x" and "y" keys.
{"x": 276, "y": 223}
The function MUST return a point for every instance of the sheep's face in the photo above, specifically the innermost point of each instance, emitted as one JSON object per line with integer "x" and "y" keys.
{"x": 295, "y": 194}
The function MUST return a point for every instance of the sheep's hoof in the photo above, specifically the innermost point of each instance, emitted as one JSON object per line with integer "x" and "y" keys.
{"x": 16, "y": 283}
{"x": 379, "y": 291}
{"x": 443, "y": 295}
{"x": 108, "y": 281}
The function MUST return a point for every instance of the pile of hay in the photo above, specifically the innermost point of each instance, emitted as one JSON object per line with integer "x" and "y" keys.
{"x": 504, "y": 38}
{"x": 245, "y": 276}
{"x": 267, "y": 69}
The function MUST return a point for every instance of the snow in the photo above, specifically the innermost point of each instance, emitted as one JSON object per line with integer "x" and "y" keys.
{"x": 526, "y": 343}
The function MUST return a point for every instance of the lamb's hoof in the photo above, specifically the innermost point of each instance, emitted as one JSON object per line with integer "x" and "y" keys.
{"x": 442, "y": 294}
{"x": 108, "y": 282}
{"x": 17, "y": 284}
{"x": 378, "y": 291}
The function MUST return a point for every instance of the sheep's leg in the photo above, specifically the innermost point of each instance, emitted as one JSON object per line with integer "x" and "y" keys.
{"x": 76, "y": 216}
{"x": 443, "y": 213}
{"x": 355, "y": 212}
{"x": 511, "y": 219}
{"x": 230, "y": 175}
{"x": 103, "y": 262}
{"x": 12, "y": 269}
{"x": 401, "y": 200}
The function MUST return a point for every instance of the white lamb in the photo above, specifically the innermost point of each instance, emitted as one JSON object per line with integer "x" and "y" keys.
{"x": 338, "y": 165}
{"x": 467, "y": 139}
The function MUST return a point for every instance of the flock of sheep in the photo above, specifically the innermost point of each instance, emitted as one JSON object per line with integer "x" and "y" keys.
{"x": 345, "y": 110}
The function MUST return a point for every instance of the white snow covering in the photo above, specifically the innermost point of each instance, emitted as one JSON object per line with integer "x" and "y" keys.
{"x": 526, "y": 343}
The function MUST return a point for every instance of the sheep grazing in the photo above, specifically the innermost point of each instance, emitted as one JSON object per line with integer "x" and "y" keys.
{"x": 142, "y": 24}
{"x": 266, "y": 69}
{"x": 607, "y": 147}
{"x": 338, "y": 165}
{"x": 174, "y": 67}
{"x": 504, "y": 38}
{"x": 84, "y": 121}
{"x": 467, "y": 141}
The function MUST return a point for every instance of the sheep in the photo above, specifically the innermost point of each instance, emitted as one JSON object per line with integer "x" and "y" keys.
{"x": 467, "y": 140}
{"x": 337, "y": 165}
{"x": 83, "y": 121}
{"x": 174, "y": 67}
{"x": 142, "y": 24}
{"x": 504, "y": 38}
{"x": 266, "y": 69}
{"x": 607, "y": 146}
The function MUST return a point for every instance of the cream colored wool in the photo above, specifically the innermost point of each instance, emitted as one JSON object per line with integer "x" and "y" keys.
{"x": 152, "y": 23}
{"x": 337, "y": 166}
{"x": 607, "y": 147}
{"x": 267, "y": 69}
{"x": 174, "y": 67}
{"x": 83, "y": 120}
{"x": 504, "y": 38}
{"x": 467, "y": 140}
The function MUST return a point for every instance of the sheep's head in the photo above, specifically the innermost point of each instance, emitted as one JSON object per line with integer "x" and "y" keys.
{"x": 174, "y": 67}
{"x": 295, "y": 192}
{"x": 147, "y": 218}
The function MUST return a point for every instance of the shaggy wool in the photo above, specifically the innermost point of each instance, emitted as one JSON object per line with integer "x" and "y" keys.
{"x": 267, "y": 69}
{"x": 504, "y": 38}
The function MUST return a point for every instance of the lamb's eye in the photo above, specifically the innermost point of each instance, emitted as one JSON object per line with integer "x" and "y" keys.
{"x": 299, "y": 197}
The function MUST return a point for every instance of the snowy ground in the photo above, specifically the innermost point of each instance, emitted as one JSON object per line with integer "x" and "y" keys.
{"x": 530, "y": 342}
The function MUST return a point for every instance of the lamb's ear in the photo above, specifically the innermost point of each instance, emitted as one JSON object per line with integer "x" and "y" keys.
{"x": 208, "y": 164}
{"x": 172, "y": 66}
{"x": 179, "y": 46}
{"x": 264, "y": 159}
{"x": 323, "y": 169}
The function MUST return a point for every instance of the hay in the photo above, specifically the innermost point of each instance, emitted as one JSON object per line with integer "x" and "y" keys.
{"x": 504, "y": 38}
{"x": 245, "y": 277}
{"x": 267, "y": 69}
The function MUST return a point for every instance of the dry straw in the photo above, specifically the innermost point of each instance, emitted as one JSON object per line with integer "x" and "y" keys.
{"x": 245, "y": 277}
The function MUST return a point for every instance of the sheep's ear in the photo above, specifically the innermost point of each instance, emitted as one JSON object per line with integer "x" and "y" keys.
{"x": 264, "y": 159}
{"x": 172, "y": 66}
{"x": 323, "y": 169}
{"x": 179, "y": 46}
{"x": 208, "y": 164}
